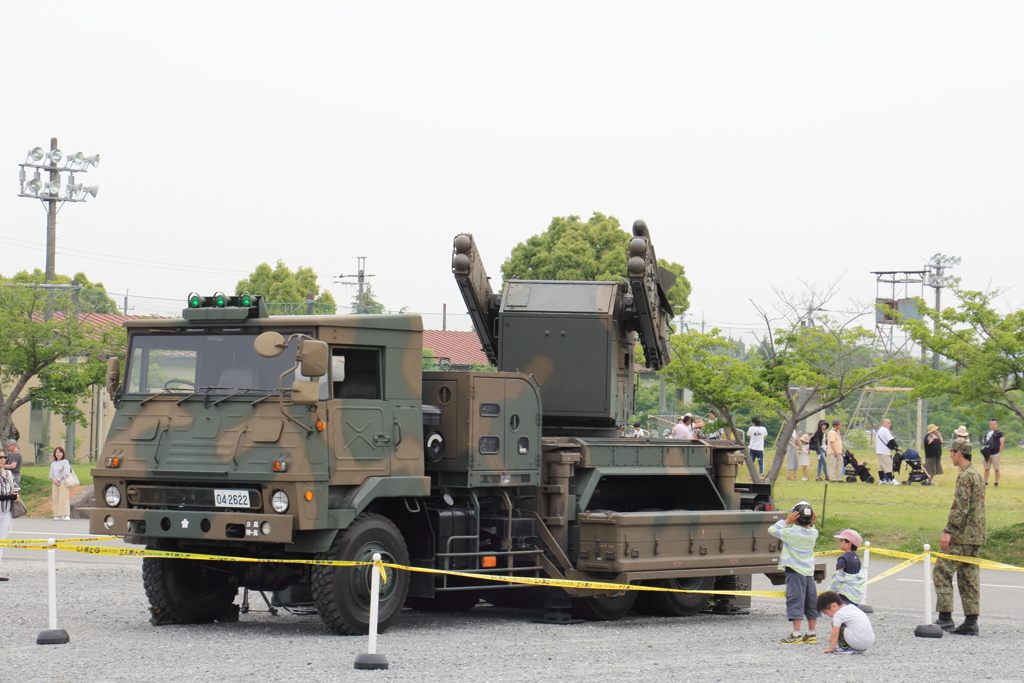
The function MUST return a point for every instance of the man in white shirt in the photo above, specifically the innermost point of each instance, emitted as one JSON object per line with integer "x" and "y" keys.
{"x": 884, "y": 443}
{"x": 682, "y": 430}
{"x": 756, "y": 433}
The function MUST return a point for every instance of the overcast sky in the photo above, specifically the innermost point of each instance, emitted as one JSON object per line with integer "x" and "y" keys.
{"x": 763, "y": 142}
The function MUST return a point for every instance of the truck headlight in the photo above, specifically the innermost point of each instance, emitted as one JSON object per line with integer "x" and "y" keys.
{"x": 279, "y": 501}
{"x": 112, "y": 495}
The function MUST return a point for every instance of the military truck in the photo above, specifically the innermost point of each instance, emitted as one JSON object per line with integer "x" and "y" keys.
{"x": 239, "y": 434}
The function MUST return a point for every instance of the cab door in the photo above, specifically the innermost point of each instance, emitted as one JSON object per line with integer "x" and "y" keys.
{"x": 360, "y": 417}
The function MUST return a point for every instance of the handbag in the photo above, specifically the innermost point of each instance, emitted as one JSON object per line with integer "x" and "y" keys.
{"x": 72, "y": 480}
{"x": 18, "y": 509}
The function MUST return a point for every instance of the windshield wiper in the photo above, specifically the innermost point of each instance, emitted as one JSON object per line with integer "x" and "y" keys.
{"x": 238, "y": 392}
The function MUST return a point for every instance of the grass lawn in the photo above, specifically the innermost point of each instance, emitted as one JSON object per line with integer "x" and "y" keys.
{"x": 906, "y": 517}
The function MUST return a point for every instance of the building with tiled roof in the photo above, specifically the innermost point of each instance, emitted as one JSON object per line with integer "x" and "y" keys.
{"x": 461, "y": 348}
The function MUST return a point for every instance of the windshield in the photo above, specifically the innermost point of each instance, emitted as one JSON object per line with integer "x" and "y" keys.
{"x": 210, "y": 363}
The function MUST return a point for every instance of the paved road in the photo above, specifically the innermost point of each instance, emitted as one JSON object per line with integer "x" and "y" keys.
{"x": 104, "y": 609}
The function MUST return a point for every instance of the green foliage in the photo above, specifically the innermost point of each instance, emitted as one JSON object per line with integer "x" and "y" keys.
{"x": 285, "y": 290}
{"x": 92, "y": 296}
{"x": 809, "y": 369}
{"x": 429, "y": 359}
{"x": 370, "y": 304}
{"x": 986, "y": 347}
{"x": 707, "y": 364}
{"x": 593, "y": 251}
{"x": 42, "y": 329}
{"x": 645, "y": 403}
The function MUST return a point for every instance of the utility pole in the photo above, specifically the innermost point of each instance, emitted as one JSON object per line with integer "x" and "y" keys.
{"x": 49, "y": 194}
{"x": 360, "y": 282}
{"x": 937, "y": 279}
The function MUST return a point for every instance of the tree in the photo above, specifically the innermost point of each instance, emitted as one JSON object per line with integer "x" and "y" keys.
{"x": 810, "y": 364}
{"x": 285, "y": 291}
{"x": 707, "y": 365}
{"x": 369, "y": 305}
{"x": 986, "y": 347}
{"x": 43, "y": 327}
{"x": 92, "y": 296}
{"x": 591, "y": 251}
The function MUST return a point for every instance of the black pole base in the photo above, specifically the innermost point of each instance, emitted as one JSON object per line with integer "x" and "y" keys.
{"x": 368, "y": 661}
{"x": 928, "y": 631}
{"x": 57, "y": 636}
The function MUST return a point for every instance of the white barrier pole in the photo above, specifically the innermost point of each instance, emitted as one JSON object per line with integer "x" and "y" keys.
{"x": 864, "y": 606}
{"x": 372, "y": 660}
{"x": 928, "y": 629}
{"x": 54, "y": 635}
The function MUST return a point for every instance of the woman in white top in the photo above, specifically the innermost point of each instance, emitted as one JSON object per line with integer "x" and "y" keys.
{"x": 60, "y": 470}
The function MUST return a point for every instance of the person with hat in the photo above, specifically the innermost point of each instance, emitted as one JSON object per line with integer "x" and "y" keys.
{"x": 848, "y": 579}
{"x": 798, "y": 535}
{"x": 933, "y": 452}
{"x": 834, "y": 442}
{"x": 961, "y": 433}
{"x": 963, "y": 537}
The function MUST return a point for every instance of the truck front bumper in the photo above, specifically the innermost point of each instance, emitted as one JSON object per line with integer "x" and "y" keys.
{"x": 192, "y": 525}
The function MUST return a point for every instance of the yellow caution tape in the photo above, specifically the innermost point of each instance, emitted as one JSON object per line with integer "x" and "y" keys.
{"x": 87, "y": 539}
{"x": 72, "y": 545}
{"x": 898, "y": 568}
{"x": 44, "y": 545}
{"x": 986, "y": 564}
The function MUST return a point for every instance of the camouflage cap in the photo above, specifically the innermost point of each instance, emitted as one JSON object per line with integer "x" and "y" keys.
{"x": 961, "y": 446}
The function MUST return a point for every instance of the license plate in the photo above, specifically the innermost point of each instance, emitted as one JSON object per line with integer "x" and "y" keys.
{"x": 230, "y": 498}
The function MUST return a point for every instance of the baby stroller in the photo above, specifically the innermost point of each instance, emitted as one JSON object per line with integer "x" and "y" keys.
{"x": 854, "y": 470}
{"x": 912, "y": 459}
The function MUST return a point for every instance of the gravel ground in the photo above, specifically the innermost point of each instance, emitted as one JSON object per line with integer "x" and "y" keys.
{"x": 104, "y": 609}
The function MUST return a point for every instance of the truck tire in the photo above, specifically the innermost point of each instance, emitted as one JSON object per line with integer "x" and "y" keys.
{"x": 675, "y": 604}
{"x": 603, "y": 607}
{"x": 342, "y": 594}
{"x": 455, "y": 601}
{"x": 187, "y": 592}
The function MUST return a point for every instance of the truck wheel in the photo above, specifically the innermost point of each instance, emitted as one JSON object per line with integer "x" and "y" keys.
{"x": 342, "y": 594}
{"x": 455, "y": 601}
{"x": 676, "y": 604}
{"x": 603, "y": 607}
{"x": 187, "y": 592}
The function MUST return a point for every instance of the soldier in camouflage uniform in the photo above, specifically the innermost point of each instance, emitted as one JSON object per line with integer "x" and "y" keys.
{"x": 964, "y": 534}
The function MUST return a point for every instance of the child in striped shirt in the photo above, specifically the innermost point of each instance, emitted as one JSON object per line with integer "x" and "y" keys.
{"x": 799, "y": 536}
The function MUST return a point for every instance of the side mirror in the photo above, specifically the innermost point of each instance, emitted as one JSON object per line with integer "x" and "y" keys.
{"x": 313, "y": 357}
{"x": 113, "y": 376}
{"x": 270, "y": 345}
{"x": 305, "y": 392}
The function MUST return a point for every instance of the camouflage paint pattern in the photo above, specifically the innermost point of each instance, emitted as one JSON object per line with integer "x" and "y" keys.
{"x": 966, "y": 527}
{"x": 968, "y": 578}
{"x": 175, "y": 449}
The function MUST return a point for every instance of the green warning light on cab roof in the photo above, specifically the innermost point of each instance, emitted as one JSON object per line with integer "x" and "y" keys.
{"x": 223, "y": 307}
